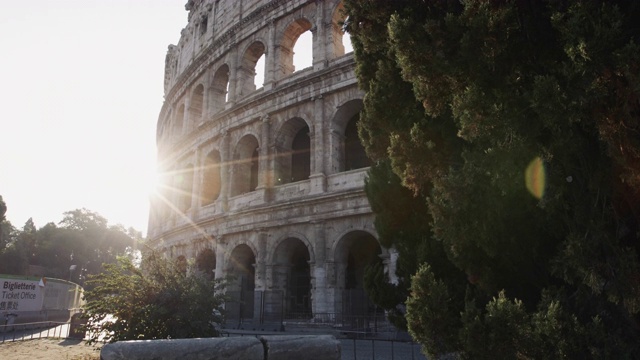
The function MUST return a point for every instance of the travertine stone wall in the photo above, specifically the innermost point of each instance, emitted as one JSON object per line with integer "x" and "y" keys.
{"x": 271, "y": 178}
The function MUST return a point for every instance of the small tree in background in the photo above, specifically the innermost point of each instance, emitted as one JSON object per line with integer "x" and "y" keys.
{"x": 155, "y": 301}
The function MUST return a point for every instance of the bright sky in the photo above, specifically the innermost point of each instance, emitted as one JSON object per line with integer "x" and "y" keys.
{"x": 81, "y": 86}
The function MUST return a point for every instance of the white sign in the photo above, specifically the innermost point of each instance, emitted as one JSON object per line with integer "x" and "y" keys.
{"x": 21, "y": 295}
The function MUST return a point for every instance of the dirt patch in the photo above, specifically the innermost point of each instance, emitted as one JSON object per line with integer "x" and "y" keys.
{"x": 48, "y": 349}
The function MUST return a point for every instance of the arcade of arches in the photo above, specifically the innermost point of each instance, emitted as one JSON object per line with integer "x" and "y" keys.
{"x": 293, "y": 279}
{"x": 262, "y": 170}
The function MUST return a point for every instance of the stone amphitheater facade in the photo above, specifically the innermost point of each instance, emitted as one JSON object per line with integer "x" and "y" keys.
{"x": 266, "y": 184}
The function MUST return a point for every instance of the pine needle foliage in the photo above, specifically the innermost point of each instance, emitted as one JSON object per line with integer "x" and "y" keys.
{"x": 515, "y": 126}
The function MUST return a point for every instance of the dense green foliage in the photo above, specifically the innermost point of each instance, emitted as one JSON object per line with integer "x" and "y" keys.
{"x": 3, "y": 224}
{"x": 158, "y": 300}
{"x": 514, "y": 128}
{"x": 83, "y": 239}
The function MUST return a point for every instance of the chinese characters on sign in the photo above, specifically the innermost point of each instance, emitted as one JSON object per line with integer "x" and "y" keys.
{"x": 21, "y": 295}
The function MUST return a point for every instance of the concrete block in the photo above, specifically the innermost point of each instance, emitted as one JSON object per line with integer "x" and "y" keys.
{"x": 239, "y": 348}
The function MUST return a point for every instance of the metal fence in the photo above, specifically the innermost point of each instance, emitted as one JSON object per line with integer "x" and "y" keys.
{"x": 361, "y": 349}
{"x": 37, "y": 330}
{"x": 354, "y": 311}
{"x": 380, "y": 349}
{"x": 353, "y": 344}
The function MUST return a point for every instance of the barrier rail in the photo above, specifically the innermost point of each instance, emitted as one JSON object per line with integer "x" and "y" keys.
{"x": 354, "y": 347}
{"x": 35, "y": 330}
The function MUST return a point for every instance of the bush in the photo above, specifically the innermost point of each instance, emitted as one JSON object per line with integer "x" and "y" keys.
{"x": 158, "y": 300}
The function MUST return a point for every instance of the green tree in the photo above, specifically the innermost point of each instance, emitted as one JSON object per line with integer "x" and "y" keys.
{"x": 82, "y": 242}
{"x": 13, "y": 255}
{"x": 155, "y": 301}
{"x": 83, "y": 220}
{"x": 516, "y": 123}
{"x": 3, "y": 211}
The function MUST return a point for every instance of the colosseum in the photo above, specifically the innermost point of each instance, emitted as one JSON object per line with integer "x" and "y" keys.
{"x": 264, "y": 178}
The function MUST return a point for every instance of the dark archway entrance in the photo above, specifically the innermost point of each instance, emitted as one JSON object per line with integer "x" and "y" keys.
{"x": 206, "y": 262}
{"x": 242, "y": 285}
{"x": 294, "y": 277}
{"x": 355, "y": 156}
{"x": 300, "y": 155}
{"x": 356, "y": 251}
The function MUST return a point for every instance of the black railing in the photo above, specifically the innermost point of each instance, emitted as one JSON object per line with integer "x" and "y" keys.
{"x": 355, "y": 311}
{"x": 356, "y": 349}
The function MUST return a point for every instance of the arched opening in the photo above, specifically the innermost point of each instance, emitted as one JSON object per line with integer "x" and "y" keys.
{"x": 355, "y": 251}
{"x": 294, "y": 277}
{"x": 196, "y": 105}
{"x": 346, "y": 44}
{"x": 241, "y": 268}
{"x": 303, "y": 51}
{"x": 301, "y": 155}
{"x": 344, "y": 140}
{"x": 206, "y": 263}
{"x": 202, "y": 26}
{"x": 247, "y": 70}
{"x": 245, "y": 169}
{"x": 212, "y": 180}
{"x": 286, "y": 49}
{"x": 258, "y": 81}
{"x": 341, "y": 41}
{"x": 355, "y": 157}
{"x": 293, "y": 147}
{"x": 218, "y": 92}
{"x": 184, "y": 185}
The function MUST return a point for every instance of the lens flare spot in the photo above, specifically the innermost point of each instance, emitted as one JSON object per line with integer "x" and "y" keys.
{"x": 535, "y": 178}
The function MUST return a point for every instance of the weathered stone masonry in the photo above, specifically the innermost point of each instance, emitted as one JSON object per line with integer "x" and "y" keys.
{"x": 266, "y": 184}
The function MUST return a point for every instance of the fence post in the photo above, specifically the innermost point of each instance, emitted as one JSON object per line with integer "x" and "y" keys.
{"x": 355, "y": 356}
{"x": 392, "y": 350}
{"x": 373, "y": 349}
{"x": 261, "y": 316}
{"x": 282, "y": 313}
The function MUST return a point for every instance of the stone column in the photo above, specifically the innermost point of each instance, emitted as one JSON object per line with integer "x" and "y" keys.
{"x": 319, "y": 272}
{"x": 270, "y": 58}
{"x": 220, "y": 252}
{"x": 233, "y": 75}
{"x": 391, "y": 264}
{"x": 205, "y": 96}
{"x": 261, "y": 262}
{"x": 260, "y": 285}
{"x": 225, "y": 169}
{"x": 264, "y": 168}
{"x": 333, "y": 299}
{"x": 186, "y": 119}
{"x": 196, "y": 187}
{"x": 318, "y": 178}
{"x": 336, "y": 144}
{"x": 319, "y": 39}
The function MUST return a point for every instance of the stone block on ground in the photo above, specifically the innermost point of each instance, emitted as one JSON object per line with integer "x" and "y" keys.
{"x": 240, "y": 348}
